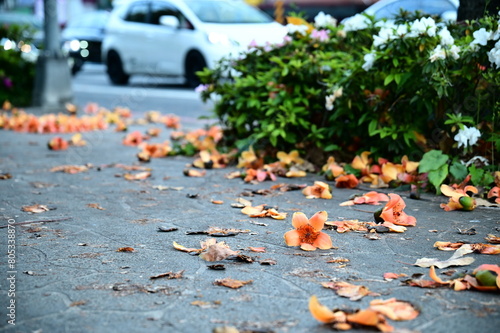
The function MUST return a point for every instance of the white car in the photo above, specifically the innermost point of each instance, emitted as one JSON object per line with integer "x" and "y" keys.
{"x": 181, "y": 37}
{"x": 388, "y": 9}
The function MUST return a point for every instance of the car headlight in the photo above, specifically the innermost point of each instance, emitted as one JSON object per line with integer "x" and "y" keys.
{"x": 221, "y": 39}
{"x": 71, "y": 45}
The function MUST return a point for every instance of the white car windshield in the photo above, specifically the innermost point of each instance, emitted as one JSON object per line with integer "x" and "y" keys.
{"x": 227, "y": 11}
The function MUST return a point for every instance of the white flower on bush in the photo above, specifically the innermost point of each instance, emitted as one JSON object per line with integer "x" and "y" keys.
{"x": 369, "y": 61}
{"x": 356, "y": 22}
{"x": 330, "y": 99}
{"x": 323, "y": 20}
{"x": 329, "y": 102}
{"x": 426, "y": 25}
{"x": 293, "y": 28}
{"x": 437, "y": 54}
{"x": 440, "y": 53}
{"x": 494, "y": 55}
{"x": 481, "y": 37}
{"x": 401, "y": 30}
{"x": 467, "y": 136}
{"x": 453, "y": 52}
{"x": 384, "y": 35}
{"x": 445, "y": 36}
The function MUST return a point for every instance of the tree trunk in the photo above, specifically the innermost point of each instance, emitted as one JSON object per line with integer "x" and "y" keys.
{"x": 474, "y": 9}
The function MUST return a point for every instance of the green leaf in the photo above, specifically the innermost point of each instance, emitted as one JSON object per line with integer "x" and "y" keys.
{"x": 397, "y": 78}
{"x": 433, "y": 160}
{"x": 332, "y": 147}
{"x": 372, "y": 127}
{"x": 388, "y": 79}
{"x": 436, "y": 177}
{"x": 458, "y": 171}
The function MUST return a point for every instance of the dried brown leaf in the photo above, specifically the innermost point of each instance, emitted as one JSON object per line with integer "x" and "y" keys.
{"x": 126, "y": 249}
{"x": 217, "y": 252}
{"x": 168, "y": 275}
{"x": 137, "y": 176}
{"x": 493, "y": 239}
{"x": 182, "y": 248}
{"x": 231, "y": 283}
{"x": 257, "y": 249}
{"x": 35, "y": 209}
{"x": 351, "y": 291}
{"x": 71, "y": 169}
{"x": 96, "y": 206}
{"x": 457, "y": 259}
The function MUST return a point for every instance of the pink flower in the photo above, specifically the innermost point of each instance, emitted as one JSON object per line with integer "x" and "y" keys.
{"x": 321, "y": 35}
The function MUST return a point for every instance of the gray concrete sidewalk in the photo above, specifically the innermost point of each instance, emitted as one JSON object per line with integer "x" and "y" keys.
{"x": 69, "y": 276}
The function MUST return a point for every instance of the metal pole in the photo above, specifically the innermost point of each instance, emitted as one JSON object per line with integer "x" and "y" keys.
{"x": 53, "y": 77}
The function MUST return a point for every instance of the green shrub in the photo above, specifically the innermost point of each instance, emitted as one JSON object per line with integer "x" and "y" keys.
{"x": 391, "y": 88}
{"x": 17, "y": 68}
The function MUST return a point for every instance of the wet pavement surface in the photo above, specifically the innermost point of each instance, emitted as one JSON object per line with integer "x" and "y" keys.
{"x": 71, "y": 277}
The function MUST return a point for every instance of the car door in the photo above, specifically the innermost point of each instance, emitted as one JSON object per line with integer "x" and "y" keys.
{"x": 132, "y": 42}
{"x": 169, "y": 45}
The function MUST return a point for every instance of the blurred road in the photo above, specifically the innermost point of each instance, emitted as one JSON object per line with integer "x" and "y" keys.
{"x": 141, "y": 95}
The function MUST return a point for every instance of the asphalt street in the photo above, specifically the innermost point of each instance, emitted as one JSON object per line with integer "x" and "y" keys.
{"x": 74, "y": 273}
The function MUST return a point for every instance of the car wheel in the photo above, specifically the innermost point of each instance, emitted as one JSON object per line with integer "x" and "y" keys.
{"x": 194, "y": 63}
{"x": 77, "y": 66}
{"x": 115, "y": 69}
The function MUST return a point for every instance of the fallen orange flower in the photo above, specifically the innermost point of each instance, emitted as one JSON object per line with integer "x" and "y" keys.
{"x": 171, "y": 121}
{"x": 494, "y": 194}
{"x": 156, "y": 150}
{"x": 134, "y": 139}
{"x": 259, "y": 175}
{"x": 318, "y": 190}
{"x": 57, "y": 143}
{"x": 393, "y": 212}
{"x": 291, "y": 158}
{"x": 249, "y": 159}
{"x": 362, "y": 162}
{"x": 390, "y": 172}
{"x": 77, "y": 140}
{"x": 332, "y": 169}
{"x": 346, "y": 181}
{"x": 475, "y": 247}
{"x": 307, "y": 233}
{"x": 459, "y": 197}
{"x": 373, "y": 316}
{"x": 370, "y": 198}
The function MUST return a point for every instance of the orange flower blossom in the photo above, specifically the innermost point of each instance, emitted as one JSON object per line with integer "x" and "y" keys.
{"x": 393, "y": 212}
{"x": 307, "y": 233}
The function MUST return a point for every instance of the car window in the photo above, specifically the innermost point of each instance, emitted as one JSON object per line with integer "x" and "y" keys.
{"x": 159, "y": 9}
{"x": 91, "y": 20}
{"x": 432, "y": 7}
{"x": 138, "y": 12}
{"x": 222, "y": 11}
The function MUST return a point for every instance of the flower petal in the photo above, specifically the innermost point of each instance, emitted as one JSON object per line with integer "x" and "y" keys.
{"x": 451, "y": 192}
{"x": 317, "y": 221}
{"x": 292, "y": 238}
{"x": 307, "y": 247}
{"x": 320, "y": 312}
{"x": 299, "y": 219}
{"x": 323, "y": 242}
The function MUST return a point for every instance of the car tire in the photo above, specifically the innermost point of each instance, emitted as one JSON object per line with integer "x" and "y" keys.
{"x": 77, "y": 66}
{"x": 194, "y": 63}
{"x": 114, "y": 68}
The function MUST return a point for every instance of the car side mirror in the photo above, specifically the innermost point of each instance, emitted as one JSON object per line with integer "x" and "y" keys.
{"x": 169, "y": 21}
